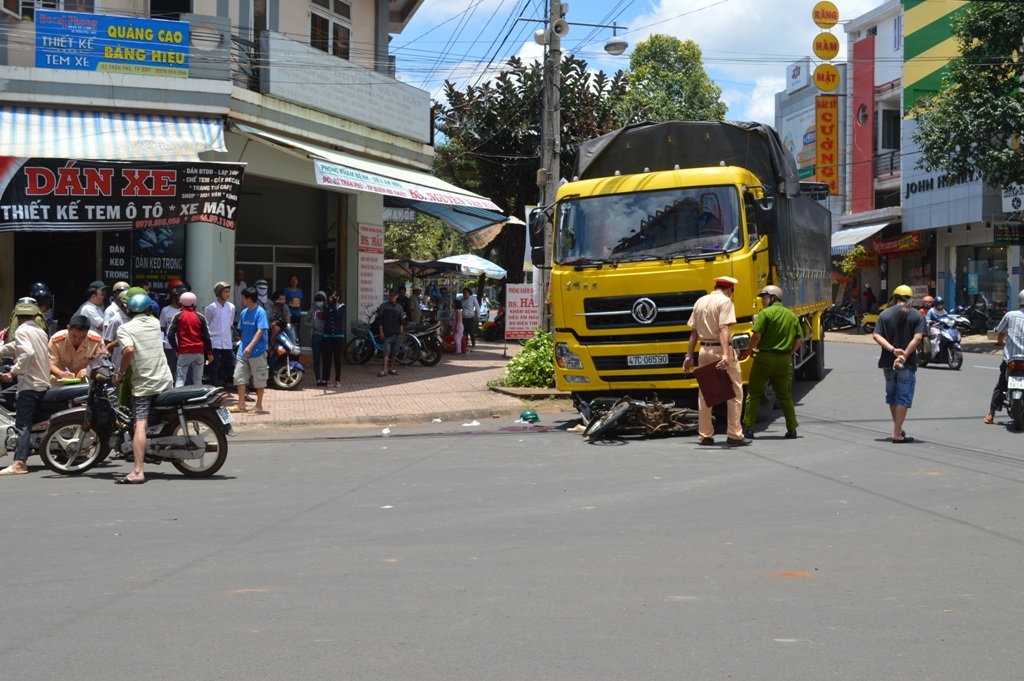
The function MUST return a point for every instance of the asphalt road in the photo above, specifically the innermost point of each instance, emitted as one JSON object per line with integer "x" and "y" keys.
{"x": 497, "y": 552}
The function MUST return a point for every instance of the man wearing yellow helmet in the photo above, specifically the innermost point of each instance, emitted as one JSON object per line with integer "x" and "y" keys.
{"x": 898, "y": 332}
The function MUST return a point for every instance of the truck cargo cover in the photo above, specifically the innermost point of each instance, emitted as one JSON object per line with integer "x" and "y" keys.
{"x": 691, "y": 144}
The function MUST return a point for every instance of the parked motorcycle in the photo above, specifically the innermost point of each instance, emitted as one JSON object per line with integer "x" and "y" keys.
{"x": 841, "y": 317}
{"x": 1014, "y": 401}
{"x": 868, "y": 319}
{"x": 494, "y": 330}
{"x": 286, "y": 371}
{"x": 54, "y": 400}
{"x": 949, "y": 346}
{"x": 971, "y": 319}
{"x": 187, "y": 427}
{"x": 429, "y": 338}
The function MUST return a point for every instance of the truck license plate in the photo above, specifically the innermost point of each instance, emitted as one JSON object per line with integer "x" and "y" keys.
{"x": 224, "y": 415}
{"x": 646, "y": 360}
{"x": 1015, "y": 382}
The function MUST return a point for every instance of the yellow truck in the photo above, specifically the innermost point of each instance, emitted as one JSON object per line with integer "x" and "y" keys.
{"x": 653, "y": 214}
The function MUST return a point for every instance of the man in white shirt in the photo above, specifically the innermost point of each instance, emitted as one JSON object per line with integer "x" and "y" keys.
{"x": 91, "y": 309}
{"x": 32, "y": 367}
{"x": 470, "y": 314}
{"x": 220, "y": 315}
{"x": 113, "y": 310}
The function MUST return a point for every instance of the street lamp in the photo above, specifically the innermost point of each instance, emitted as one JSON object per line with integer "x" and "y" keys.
{"x": 548, "y": 177}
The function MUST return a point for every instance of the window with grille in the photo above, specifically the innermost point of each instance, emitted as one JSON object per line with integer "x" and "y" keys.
{"x": 330, "y": 28}
{"x": 29, "y": 7}
{"x": 897, "y": 32}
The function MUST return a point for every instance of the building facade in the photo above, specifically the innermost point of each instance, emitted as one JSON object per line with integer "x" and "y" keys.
{"x": 301, "y": 92}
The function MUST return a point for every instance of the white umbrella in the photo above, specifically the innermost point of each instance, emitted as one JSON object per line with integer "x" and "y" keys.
{"x": 475, "y": 265}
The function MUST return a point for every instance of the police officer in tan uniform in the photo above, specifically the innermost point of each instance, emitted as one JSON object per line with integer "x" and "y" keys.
{"x": 711, "y": 323}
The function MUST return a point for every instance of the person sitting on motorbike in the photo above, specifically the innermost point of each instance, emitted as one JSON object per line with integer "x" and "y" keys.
{"x": 278, "y": 315}
{"x": 926, "y": 304}
{"x": 934, "y": 317}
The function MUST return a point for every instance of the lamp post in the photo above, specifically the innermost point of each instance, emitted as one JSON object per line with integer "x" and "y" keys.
{"x": 549, "y": 175}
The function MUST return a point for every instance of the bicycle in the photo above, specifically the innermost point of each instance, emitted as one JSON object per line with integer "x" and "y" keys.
{"x": 365, "y": 346}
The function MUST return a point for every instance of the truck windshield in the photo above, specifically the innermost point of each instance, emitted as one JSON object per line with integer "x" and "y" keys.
{"x": 673, "y": 223}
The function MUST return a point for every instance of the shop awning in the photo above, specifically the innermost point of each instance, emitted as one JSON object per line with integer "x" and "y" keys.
{"x": 462, "y": 209}
{"x": 845, "y": 239}
{"x": 105, "y": 135}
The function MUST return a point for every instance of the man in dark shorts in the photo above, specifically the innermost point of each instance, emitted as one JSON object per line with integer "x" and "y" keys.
{"x": 391, "y": 326}
{"x": 142, "y": 349}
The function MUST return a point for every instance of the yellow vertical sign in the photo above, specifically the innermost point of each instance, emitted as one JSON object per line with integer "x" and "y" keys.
{"x": 826, "y": 138}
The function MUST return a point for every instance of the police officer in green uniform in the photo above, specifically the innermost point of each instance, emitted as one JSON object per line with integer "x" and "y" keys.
{"x": 776, "y": 336}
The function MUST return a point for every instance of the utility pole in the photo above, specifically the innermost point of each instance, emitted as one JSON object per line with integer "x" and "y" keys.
{"x": 552, "y": 141}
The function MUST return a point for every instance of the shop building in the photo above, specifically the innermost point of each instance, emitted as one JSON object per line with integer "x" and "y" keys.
{"x": 302, "y": 93}
{"x": 920, "y": 228}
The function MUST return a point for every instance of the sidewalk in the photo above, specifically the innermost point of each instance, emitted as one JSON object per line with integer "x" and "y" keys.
{"x": 454, "y": 390}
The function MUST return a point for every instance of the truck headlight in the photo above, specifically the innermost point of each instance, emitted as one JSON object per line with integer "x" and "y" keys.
{"x": 565, "y": 359}
{"x": 573, "y": 378}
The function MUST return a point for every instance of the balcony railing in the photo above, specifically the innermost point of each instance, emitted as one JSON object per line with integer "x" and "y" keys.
{"x": 887, "y": 165}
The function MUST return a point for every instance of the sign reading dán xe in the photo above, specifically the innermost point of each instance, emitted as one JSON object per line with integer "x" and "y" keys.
{"x": 101, "y": 42}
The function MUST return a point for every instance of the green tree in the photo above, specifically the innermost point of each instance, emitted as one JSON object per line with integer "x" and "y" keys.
{"x": 667, "y": 82}
{"x": 972, "y": 126}
{"x": 492, "y": 131}
{"x": 426, "y": 239}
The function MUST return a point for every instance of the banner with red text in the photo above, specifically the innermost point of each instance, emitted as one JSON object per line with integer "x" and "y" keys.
{"x": 826, "y": 141}
{"x": 56, "y": 194}
{"x": 522, "y": 314}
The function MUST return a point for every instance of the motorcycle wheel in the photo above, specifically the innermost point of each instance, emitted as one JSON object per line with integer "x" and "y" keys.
{"x": 955, "y": 358}
{"x": 408, "y": 350}
{"x": 1017, "y": 414}
{"x": 359, "y": 351}
{"x": 868, "y": 327}
{"x": 208, "y": 429}
{"x": 430, "y": 354}
{"x": 603, "y": 423}
{"x": 286, "y": 378}
{"x": 923, "y": 356}
{"x": 67, "y": 449}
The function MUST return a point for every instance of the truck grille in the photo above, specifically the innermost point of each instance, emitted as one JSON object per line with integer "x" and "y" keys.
{"x": 673, "y": 309}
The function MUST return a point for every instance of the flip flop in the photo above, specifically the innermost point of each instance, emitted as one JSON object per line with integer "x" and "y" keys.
{"x": 237, "y": 410}
{"x": 393, "y": 372}
{"x": 989, "y": 419}
{"x": 381, "y": 374}
{"x": 11, "y": 470}
{"x": 128, "y": 481}
{"x": 906, "y": 439}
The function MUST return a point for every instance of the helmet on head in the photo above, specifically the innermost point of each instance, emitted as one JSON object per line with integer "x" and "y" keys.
{"x": 773, "y": 291}
{"x": 529, "y": 416}
{"x": 903, "y": 291}
{"x": 220, "y": 286}
{"x": 1020, "y": 298}
{"x": 261, "y": 283}
{"x": 174, "y": 282}
{"x": 139, "y": 303}
{"x": 938, "y": 300}
{"x": 27, "y": 300}
{"x": 187, "y": 299}
{"x": 41, "y": 292}
{"x": 123, "y": 296}
{"x": 120, "y": 286}
{"x": 927, "y": 300}
{"x": 179, "y": 289}
{"x": 26, "y": 310}
{"x": 135, "y": 289}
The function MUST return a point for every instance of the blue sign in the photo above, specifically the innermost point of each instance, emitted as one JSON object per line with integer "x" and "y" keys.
{"x": 113, "y": 44}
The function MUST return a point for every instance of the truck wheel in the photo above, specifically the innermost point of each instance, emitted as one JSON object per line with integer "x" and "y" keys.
{"x": 814, "y": 368}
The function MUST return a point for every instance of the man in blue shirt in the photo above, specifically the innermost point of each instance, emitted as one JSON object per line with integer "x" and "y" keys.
{"x": 252, "y": 351}
{"x": 1011, "y": 337}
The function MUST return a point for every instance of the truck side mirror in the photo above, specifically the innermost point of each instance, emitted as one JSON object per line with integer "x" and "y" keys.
{"x": 766, "y": 219}
{"x": 538, "y": 220}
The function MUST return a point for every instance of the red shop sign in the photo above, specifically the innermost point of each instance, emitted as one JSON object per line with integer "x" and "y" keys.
{"x": 903, "y": 242}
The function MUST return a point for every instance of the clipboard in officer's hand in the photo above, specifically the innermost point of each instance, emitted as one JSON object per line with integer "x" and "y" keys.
{"x": 715, "y": 384}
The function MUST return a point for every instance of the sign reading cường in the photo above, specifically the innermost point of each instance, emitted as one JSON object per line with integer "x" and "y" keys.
{"x": 112, "y": 44}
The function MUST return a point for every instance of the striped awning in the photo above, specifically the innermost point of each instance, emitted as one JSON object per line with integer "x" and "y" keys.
{"x": 108, "y": 136}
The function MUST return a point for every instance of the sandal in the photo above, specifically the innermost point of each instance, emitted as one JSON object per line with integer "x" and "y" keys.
{"x": 381, "y": 374}
{"x": 990, "y": 419}
{"x": 393, "y": 372}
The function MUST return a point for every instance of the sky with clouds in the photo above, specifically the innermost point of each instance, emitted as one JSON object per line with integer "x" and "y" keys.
{"x": 746, "y": 44}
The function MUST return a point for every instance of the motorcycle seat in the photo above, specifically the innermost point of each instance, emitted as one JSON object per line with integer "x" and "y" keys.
{"x": 185, "y": 393}
{"x": 65, "y": 393}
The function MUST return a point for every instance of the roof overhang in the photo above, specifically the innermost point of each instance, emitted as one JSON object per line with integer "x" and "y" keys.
{"x": 845, "y": 239}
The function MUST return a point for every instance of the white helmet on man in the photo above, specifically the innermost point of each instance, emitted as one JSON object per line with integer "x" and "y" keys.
{"x": 773, "y": 291}
{"x": 1020, "y": 298}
